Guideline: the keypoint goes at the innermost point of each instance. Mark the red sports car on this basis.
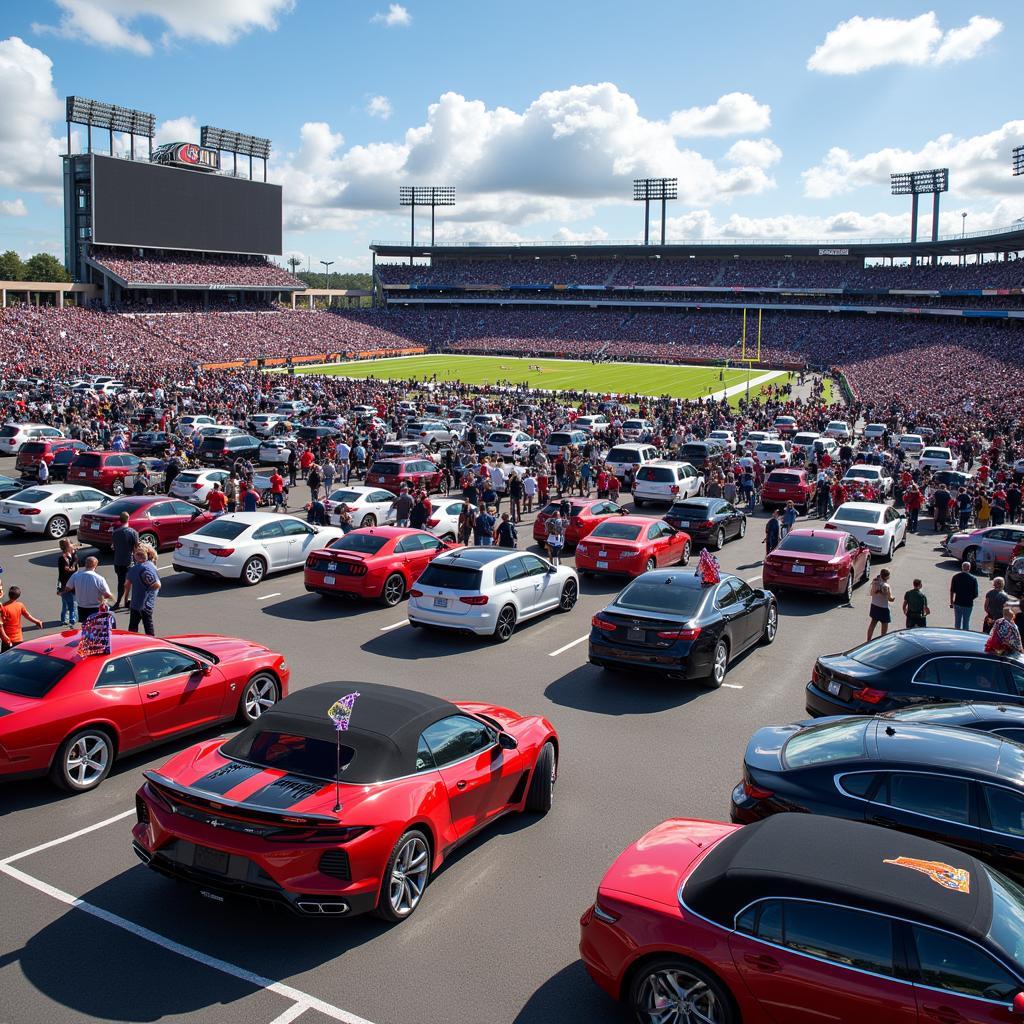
(323, 821)
(71, 716)
(631, 545)
(158, 520)
(380, 562)
(584, 515)
(801, 920)
(784, 485)
(829, 562)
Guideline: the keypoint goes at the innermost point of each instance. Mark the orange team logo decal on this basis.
(945, 875)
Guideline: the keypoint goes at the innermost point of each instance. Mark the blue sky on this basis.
(778, 120)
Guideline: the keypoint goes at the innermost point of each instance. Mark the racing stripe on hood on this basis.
(226, 777)
(285, 792)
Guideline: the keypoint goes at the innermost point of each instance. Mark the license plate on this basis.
(95, 472)
(329, 580)
(834, 688)
(440, 602)
(799, 568)
(603, 554)
(211, 860)
(381, 479)
(194, 552)
(602, 565)
(331, 566)
(635, 633)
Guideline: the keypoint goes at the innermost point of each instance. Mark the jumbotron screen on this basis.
(150, 206)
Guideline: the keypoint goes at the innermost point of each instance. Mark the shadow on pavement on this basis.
(590, 688)
(567, 995)
(308, 607)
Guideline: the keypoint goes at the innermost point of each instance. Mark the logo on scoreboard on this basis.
(195, 156)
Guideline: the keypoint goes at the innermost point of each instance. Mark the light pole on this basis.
(293, 262)
(327, 264)
(963, 235)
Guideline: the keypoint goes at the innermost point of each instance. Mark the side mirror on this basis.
(508, 742)
(207, 670)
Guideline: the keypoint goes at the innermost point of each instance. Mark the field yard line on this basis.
(755, 382)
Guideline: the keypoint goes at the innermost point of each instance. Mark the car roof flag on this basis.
(709, 569)
(340, 713)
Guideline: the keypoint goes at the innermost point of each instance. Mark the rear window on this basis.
(222, 529)
(647, 596)
(32, 495)
(115, 508)
(694, 451)
(681, 510)
(657, 474)
(189, 476)
(31, 675)
(364, 543)
(88, 460)
(856, 515)
(214, 444)
(560, 439)
(835, 742)
(884, 652)
(386, 468)
(809, 545)
(451, 577)
(616, 531)
(862, 474)
(623, 455)
(928, 453)
(38, 447)
(293, 753)
(9, 431)
(783, 478)
(344, 496)
(65, 455)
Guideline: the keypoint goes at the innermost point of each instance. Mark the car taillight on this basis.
(178, 545)
(29, 511)
(357, 570)
(221, 552)
(756, 792)
(705, 525)
(598, 623)
(476, 599)
(876, 533)
(196, 487)
(815, 674)
(831, 526)
(433, 522)
(870, 695)
(674, 489)
(415, 593)
(141, 810)
(679, 634)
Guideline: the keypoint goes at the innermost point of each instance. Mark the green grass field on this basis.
(554, 374)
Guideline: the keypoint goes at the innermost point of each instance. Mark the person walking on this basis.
(42, 471)
(995, 602)
(231, 491)
(142, 586)
(67, 566)
(402, 506)
(12, 611)
(881, 597)
(89, 587)
(913, 501)
(467, 523)
(772, 532)
(314, 478)
(486, 524)
(508, 536)
(555, 537)
(293, 465)
(963, 592)
(789, 516)
(915, 607)
(276, 490)
(123, 541)
(515, 496)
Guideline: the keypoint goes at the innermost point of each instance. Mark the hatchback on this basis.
(158, 520)
(782, 485)
(631, 454)
(113, 472)
(938, 458)
(44, 450)
(390, 474)
(14, 435)
(860, 474)
(665, 480)
(560, 439)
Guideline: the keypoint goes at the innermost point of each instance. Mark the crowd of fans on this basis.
(145, 267)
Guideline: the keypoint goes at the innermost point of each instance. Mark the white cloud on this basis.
(177, 129)
(733, 114)
(978, 166)
(13, 208)
(379, 106)
(859, 44)
(595, 234)
(395, 15)
(108, 23)
(759, 152)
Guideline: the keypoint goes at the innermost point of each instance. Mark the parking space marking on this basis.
(267, 597)
(40, 551)
(751, 579)
(562, 650)
(394, 625)
(733, 686)
(293, 1011)
(161, 568)
(67, 838)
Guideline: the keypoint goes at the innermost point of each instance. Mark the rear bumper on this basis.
(821, 705)
(205, 570)
(681, 664)
(480, 622)
(812, 584)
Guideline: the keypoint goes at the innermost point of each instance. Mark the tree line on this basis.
(42, 267)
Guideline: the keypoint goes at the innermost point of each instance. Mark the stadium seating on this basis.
(190, 269)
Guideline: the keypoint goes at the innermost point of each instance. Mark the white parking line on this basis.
(67, 838)
(562, 650)
(394, 625)
(293, 1011)
(161, 568)
(267, 597)
(733, 686)
(39, 551)
(751, 579)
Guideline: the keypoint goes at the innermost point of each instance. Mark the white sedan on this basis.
(487, 591)
(839, 430)
(246, 546)
(368, 506)
(52, 509)
(861, 473)
(195, 484)
(879, 526)
(911, 444)
(939, 458)
(726, 438)
(444, 518)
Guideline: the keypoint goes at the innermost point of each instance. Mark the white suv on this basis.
(14, 435)
(665, 481)
(487, 591)
(509, 444)
(622, 456)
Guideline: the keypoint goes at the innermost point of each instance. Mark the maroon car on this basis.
(44, 450)
(826, 561)
(159, 520)
(418, 471)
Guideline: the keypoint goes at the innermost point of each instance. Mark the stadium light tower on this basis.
(918, 183)
(293, 262)
(237, 145)
(424, 195)
(647, 189)
(1018, 160)
(94, 114)
(327, 264)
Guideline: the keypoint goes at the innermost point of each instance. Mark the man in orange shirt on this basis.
(12, 611)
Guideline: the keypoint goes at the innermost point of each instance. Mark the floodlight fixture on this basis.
(918, 183)
(237, 144)
(424, 195)
(659, 190)
(94, 114)
(1018, 160)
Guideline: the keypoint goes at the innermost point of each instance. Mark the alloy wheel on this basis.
(260, 695)
(57, 527)
(506, 624)
(743, 528)
(674, 996)
(369, 519)
(253, 571)
(721, 663)
(394, 588)
(569, 595)
(651, 565)
(150, 539)
(849, 587)
(87, 759)
(720, 540)
(409, 876)
(771, 626)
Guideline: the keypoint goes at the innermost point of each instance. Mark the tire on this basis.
(396, 901)
(541, 794)
(368, 520)
(848, 590)
(117, 487)
(700, 491)
(646, 998)
(57, 527)
(892, 551)
(971, 555)
(506, 624)
(651, 565)
(98, 747)
(685, 559)
(258, 696)
(151, 539)
(253, 572)
(393, 590)
(771, 625)
(719, 540)
(719, 666)
(638, 502)
(570, 594)
(867, 570)
(743, 530)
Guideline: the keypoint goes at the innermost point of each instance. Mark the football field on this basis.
(557, 374)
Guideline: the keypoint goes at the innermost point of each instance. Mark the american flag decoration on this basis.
(96, 630)
(340, 712)
(709, 569)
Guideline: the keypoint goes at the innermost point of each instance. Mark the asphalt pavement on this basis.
(89, 934)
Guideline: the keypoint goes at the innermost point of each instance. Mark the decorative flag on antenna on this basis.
(340, 712)
(709, 569)
(96, 631)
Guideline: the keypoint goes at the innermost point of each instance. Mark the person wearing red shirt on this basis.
(305, 461)
(277, 490)
(216, 500)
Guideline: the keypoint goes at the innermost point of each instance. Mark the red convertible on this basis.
(293, 812)
(631, 545)
(378, 562)
(70, 716)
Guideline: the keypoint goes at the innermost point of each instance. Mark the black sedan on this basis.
(708, 521)
(957, 786)
(668, 621)
(9, 485)
(913, 666)
(1006, 720)
(151, 442)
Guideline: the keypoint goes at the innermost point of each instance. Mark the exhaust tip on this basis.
(313, 907)
(144, 855)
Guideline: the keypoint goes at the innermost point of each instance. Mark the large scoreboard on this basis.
(153, 206)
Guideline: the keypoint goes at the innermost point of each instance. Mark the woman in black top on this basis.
(67, 563)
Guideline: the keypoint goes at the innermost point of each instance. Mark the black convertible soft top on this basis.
(383, 731)
(804, 856)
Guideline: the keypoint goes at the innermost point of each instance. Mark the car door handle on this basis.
(461, 784)
(945, 1014)
(767, 964)
(152, 694)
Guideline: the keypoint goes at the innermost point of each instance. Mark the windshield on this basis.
(222, 529)
(844, 514)
(834, 742)
(31, 675)
(616, 531)
(1007, 930)
(364, 543)
(809, 545)
(660, 597)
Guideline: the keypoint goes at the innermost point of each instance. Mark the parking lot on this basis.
(91, 935)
